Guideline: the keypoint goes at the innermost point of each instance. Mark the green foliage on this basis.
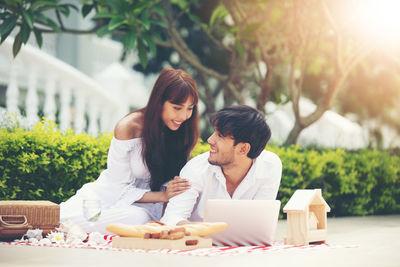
(31, 16)
(44, 163)
(218, 15)
(200, 148)
(136, 22)
(353, 183)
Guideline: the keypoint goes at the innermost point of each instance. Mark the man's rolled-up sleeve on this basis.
(180, 207)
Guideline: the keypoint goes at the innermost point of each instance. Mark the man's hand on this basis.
(175, 187)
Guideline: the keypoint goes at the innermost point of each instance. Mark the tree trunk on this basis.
(294, 134)
(265, 90)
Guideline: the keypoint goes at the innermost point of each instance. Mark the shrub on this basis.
(200, 148)
(44, 163)
(360, 182)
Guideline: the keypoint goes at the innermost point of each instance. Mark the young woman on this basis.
(149, 148)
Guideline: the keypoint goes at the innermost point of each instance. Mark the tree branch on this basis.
(365, 49)
(64, 30)
(326, 103)
(209, 99)
(59, 19)
(240, 10)
(190, 57)
(265, 87)
(177, 43)
(338, 39)
(183, 11)
(337, 85)
(166, 44)
(180, 46)
(328, 15)
(292, 87)
(219, 43)
(228, 6)
(303, 61)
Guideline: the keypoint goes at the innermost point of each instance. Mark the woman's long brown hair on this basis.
(165, 151)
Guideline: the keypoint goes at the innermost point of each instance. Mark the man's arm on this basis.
(180, 207)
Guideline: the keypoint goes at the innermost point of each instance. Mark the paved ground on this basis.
(377, 240)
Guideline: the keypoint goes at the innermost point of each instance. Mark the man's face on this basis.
(222, 151)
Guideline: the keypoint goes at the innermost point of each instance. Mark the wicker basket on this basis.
(44, 215)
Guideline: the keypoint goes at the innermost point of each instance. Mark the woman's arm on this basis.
(153, 197)
(131, 127)
(175, 187)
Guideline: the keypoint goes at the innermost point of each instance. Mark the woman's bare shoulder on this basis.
(129, 127)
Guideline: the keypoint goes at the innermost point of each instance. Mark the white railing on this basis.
(41, 84)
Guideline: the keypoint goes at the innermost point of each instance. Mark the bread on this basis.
(204, 228)
(157, 230)
(140, 231)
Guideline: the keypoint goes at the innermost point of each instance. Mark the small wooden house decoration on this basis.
(306, 217)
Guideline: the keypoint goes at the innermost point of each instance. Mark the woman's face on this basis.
(173, 115)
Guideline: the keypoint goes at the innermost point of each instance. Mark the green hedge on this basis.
(363, 182)
(44, 163)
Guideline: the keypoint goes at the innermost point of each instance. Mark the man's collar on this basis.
(252, 174)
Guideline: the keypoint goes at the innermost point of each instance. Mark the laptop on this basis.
(250, 222)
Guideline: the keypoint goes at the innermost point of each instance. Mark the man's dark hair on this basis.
(245, 124)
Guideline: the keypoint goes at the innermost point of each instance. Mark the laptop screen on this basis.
(250, 222)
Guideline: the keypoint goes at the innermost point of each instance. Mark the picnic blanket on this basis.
(214, 251)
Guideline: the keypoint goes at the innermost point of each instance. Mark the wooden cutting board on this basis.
(187, 242)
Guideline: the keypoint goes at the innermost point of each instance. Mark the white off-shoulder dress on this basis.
(124, 182)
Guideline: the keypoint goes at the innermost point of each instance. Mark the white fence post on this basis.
(105, 115)
(32, 100)
(93, 117)
(34, 73)
(12, 91)
(79, 122)
(65, 110)
(50, 102)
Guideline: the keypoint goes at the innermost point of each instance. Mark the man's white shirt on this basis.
(208, 182)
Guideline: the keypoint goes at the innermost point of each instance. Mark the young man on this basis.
(236, 167)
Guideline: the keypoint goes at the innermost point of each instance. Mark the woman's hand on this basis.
(175, 187)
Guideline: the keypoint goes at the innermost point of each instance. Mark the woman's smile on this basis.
(173, 115)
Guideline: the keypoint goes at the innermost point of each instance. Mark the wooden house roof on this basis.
(303, 198)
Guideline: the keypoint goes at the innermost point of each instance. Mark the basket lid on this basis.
(27, 203)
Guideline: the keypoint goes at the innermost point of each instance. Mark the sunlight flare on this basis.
(375, 20)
